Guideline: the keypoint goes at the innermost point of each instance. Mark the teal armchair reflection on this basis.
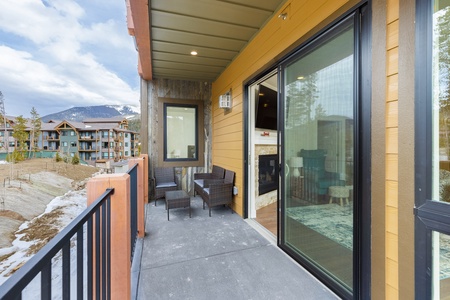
(316, 179)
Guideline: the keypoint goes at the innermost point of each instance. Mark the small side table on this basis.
(177, 199)
(297, 187)
(341, 192)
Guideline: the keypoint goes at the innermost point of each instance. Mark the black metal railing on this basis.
(96, 221)
(133, 206)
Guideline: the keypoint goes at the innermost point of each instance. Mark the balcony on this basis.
(218, 257)
(200, 257)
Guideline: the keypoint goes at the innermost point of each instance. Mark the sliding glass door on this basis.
(318, 150)
(432, 201)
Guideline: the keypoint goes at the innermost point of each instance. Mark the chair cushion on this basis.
(199, 182)
(166, 185)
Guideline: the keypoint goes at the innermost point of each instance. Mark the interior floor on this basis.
(267, 217)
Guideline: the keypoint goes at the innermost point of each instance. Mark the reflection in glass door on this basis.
(432, 230)
(441, 144)
(318, 150)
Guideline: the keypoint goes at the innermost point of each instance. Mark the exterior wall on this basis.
(378, 124)
(391, 151)
(392, 124)
(71, 137)
(176, 89)
(406, 142)
(276, 39)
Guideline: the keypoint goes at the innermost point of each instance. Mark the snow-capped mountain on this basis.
(78, 114)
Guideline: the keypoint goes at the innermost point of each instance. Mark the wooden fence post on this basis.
(120, 229)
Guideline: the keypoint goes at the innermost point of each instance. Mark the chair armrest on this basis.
(220, 193)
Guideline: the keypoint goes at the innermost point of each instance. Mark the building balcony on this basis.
(87, 149)
(199, 257)
(52, 138)
(215, 257)
(88, 138)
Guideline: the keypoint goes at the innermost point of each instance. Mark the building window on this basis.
(72, 133)
(126, 153)
(64, 144)
(73, 144)
(126, 144)
(182, 133)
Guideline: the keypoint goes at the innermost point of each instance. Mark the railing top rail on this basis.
(22, 277)
(132, 168)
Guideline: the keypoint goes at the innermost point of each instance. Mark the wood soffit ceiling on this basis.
(217, 29)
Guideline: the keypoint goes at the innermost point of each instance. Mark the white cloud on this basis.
(56, 52)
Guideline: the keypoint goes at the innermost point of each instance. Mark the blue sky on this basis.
(57, 54)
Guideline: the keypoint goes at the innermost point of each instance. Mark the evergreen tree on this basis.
(20, 135)
(134, 125)
(35, 130)
(302, 95)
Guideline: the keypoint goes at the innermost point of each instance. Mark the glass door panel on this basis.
(318, 151)
(441, 143)
(441, 265)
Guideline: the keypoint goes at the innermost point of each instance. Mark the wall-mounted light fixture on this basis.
(283, 16)
(225, 100)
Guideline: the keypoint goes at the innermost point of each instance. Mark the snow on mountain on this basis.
(78, 114)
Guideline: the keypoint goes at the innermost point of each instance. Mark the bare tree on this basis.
(3, 115)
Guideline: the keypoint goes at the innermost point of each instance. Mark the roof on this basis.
(117, 119)
(216, 30)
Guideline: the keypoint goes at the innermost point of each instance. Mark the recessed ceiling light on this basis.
(193, 52)
(300, 77)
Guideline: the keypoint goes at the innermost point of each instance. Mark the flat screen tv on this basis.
(266, 108)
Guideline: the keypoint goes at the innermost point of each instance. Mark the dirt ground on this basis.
(27, 187)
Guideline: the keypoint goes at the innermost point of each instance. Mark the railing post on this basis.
(120, 229)
(140, 194)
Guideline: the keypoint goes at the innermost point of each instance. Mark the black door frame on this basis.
(362, 158)
(362, 170)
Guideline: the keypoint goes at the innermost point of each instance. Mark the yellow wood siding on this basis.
(391, 235)
(277, 37)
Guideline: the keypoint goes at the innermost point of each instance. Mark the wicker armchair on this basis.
(164, 180)
(218, 191)
(199, 178)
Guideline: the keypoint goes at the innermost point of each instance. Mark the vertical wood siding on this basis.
(176, 89)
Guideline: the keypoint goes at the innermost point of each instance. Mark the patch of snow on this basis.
(72, 204)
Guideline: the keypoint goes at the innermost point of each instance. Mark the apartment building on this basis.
(93, 139)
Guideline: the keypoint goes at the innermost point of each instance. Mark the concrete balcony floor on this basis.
(217, 257)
